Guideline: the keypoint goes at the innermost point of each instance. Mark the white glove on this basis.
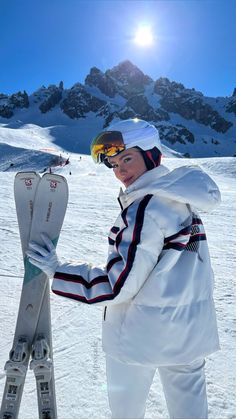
(44, 258)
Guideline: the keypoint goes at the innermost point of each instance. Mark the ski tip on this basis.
(27, 173)
(54, 176)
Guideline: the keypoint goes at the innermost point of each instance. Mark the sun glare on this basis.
(144, 36)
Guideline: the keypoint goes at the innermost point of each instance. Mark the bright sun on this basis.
(144, 36)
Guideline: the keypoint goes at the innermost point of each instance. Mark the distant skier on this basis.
(158, 281)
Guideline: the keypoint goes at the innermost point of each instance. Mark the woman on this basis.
(157, 284)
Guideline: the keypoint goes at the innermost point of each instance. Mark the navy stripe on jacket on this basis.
(136, 236)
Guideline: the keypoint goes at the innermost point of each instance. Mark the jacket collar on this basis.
(136, 189)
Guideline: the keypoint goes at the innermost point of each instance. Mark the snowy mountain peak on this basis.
(191, 123)
(126, 72)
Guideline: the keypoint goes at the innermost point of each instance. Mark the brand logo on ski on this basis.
(31, 205)
(53, 184)
(28, 182)
(49, 211)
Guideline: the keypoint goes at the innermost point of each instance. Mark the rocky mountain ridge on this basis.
(187, 121)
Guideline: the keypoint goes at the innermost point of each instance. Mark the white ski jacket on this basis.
(158, 281)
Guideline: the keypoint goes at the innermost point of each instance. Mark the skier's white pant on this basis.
(184, 388)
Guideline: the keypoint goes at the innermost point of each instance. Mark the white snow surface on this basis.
(78, 356)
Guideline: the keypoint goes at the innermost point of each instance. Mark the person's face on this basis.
(128, 166)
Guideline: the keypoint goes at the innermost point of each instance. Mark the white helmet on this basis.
(137, 132)
(127, 134)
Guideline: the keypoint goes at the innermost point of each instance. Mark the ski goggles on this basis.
(106, 144)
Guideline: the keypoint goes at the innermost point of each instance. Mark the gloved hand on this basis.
(44, 258)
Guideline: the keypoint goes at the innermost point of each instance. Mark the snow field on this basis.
(79, 360)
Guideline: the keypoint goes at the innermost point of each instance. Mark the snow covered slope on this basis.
(30, 148)
(79, 360)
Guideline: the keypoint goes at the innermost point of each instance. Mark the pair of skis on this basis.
(40, 206)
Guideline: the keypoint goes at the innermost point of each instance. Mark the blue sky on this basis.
(46, 41)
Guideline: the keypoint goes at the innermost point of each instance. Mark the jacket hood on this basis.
(186, 184)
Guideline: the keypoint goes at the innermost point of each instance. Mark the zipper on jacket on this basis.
(105, 313)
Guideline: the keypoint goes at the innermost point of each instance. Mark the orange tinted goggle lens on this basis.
(107, 144)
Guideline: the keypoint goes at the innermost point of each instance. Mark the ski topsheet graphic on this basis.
(40, 205)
